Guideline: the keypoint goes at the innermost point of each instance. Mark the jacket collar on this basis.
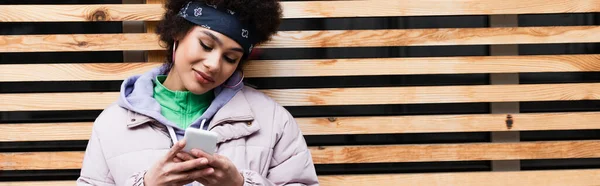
(236, 110)
(134, 119)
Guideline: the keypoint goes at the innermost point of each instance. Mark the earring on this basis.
(238, 83)
(174, 46)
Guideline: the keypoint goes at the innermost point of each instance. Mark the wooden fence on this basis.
(499, 122)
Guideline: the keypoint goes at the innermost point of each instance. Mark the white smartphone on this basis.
(200, 139)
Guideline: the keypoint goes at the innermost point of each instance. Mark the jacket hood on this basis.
(136, 94)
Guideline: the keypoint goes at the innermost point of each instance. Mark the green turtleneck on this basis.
(180, 107)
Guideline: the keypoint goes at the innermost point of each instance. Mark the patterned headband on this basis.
(221, 20)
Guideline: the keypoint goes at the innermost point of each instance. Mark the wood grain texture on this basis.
(336, 96)
(375, 8)
(327, 67)
(586, 177)
(73, 72)
(316, 39)
(589, 177)
(57, 101)
(352, 125)
(435, 94)
(78, 42)
(39, 183)
(422, 65)
(41, 160)
(302, 9)
(80, 13)
(362, 154)
(456, 152)
(441, 37)
(46, 131)
(448, 123)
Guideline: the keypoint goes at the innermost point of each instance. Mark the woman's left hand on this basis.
(224, 171)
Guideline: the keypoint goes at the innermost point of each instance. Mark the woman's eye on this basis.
(206, 47)
(228, 59)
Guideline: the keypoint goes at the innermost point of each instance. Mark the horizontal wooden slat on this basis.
(449, 123)
(303, 9)
(336, 96)
(327, 67)
(316, 39)
(41, 160)
(423, 65)
(436, 94)
(38, 183)
(589, 177)
(73, 72)
(351, 125)
(78, 42)
(529, 178)
(434, 7)
(71, 13)
(362, 154)
(439, 37)
(456, 152)
(57, 101)
(46, 131)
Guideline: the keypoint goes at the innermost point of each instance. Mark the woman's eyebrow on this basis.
(219, 42)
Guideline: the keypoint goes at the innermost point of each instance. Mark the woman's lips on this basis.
(203, 78)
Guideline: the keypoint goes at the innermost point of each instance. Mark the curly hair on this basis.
(264, 15)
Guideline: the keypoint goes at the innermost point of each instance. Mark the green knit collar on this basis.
(184, 102)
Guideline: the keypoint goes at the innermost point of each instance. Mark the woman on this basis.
(138, 140)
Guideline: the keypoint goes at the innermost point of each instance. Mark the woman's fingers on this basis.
(220, 162)
(177, 160)
(185, 156)
(201, 154)
(175, 149)
(190, 164)
(195, 175)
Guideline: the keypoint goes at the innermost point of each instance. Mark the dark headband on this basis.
(221, 20)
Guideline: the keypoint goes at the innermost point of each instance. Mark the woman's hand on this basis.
(170, 171)
(222, 170)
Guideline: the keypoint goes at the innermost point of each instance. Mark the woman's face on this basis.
(204, 59)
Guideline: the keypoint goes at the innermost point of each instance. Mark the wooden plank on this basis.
(584, 177)
(327, 67)
(448, 123)
(41, 160)
(57, 101)
(303, 9)
(336, 96)
(362, 154)
(435, 94)
(422, 65)
(352, 125)
(456, 152)
(433, 7)
(439, 37)
(39, 183)
(73, 72)
(316, 39)
(73, 13)
(78, 42)
(46, 131)
(588, 177)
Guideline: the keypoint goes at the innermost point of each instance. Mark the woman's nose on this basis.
(212, 62)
